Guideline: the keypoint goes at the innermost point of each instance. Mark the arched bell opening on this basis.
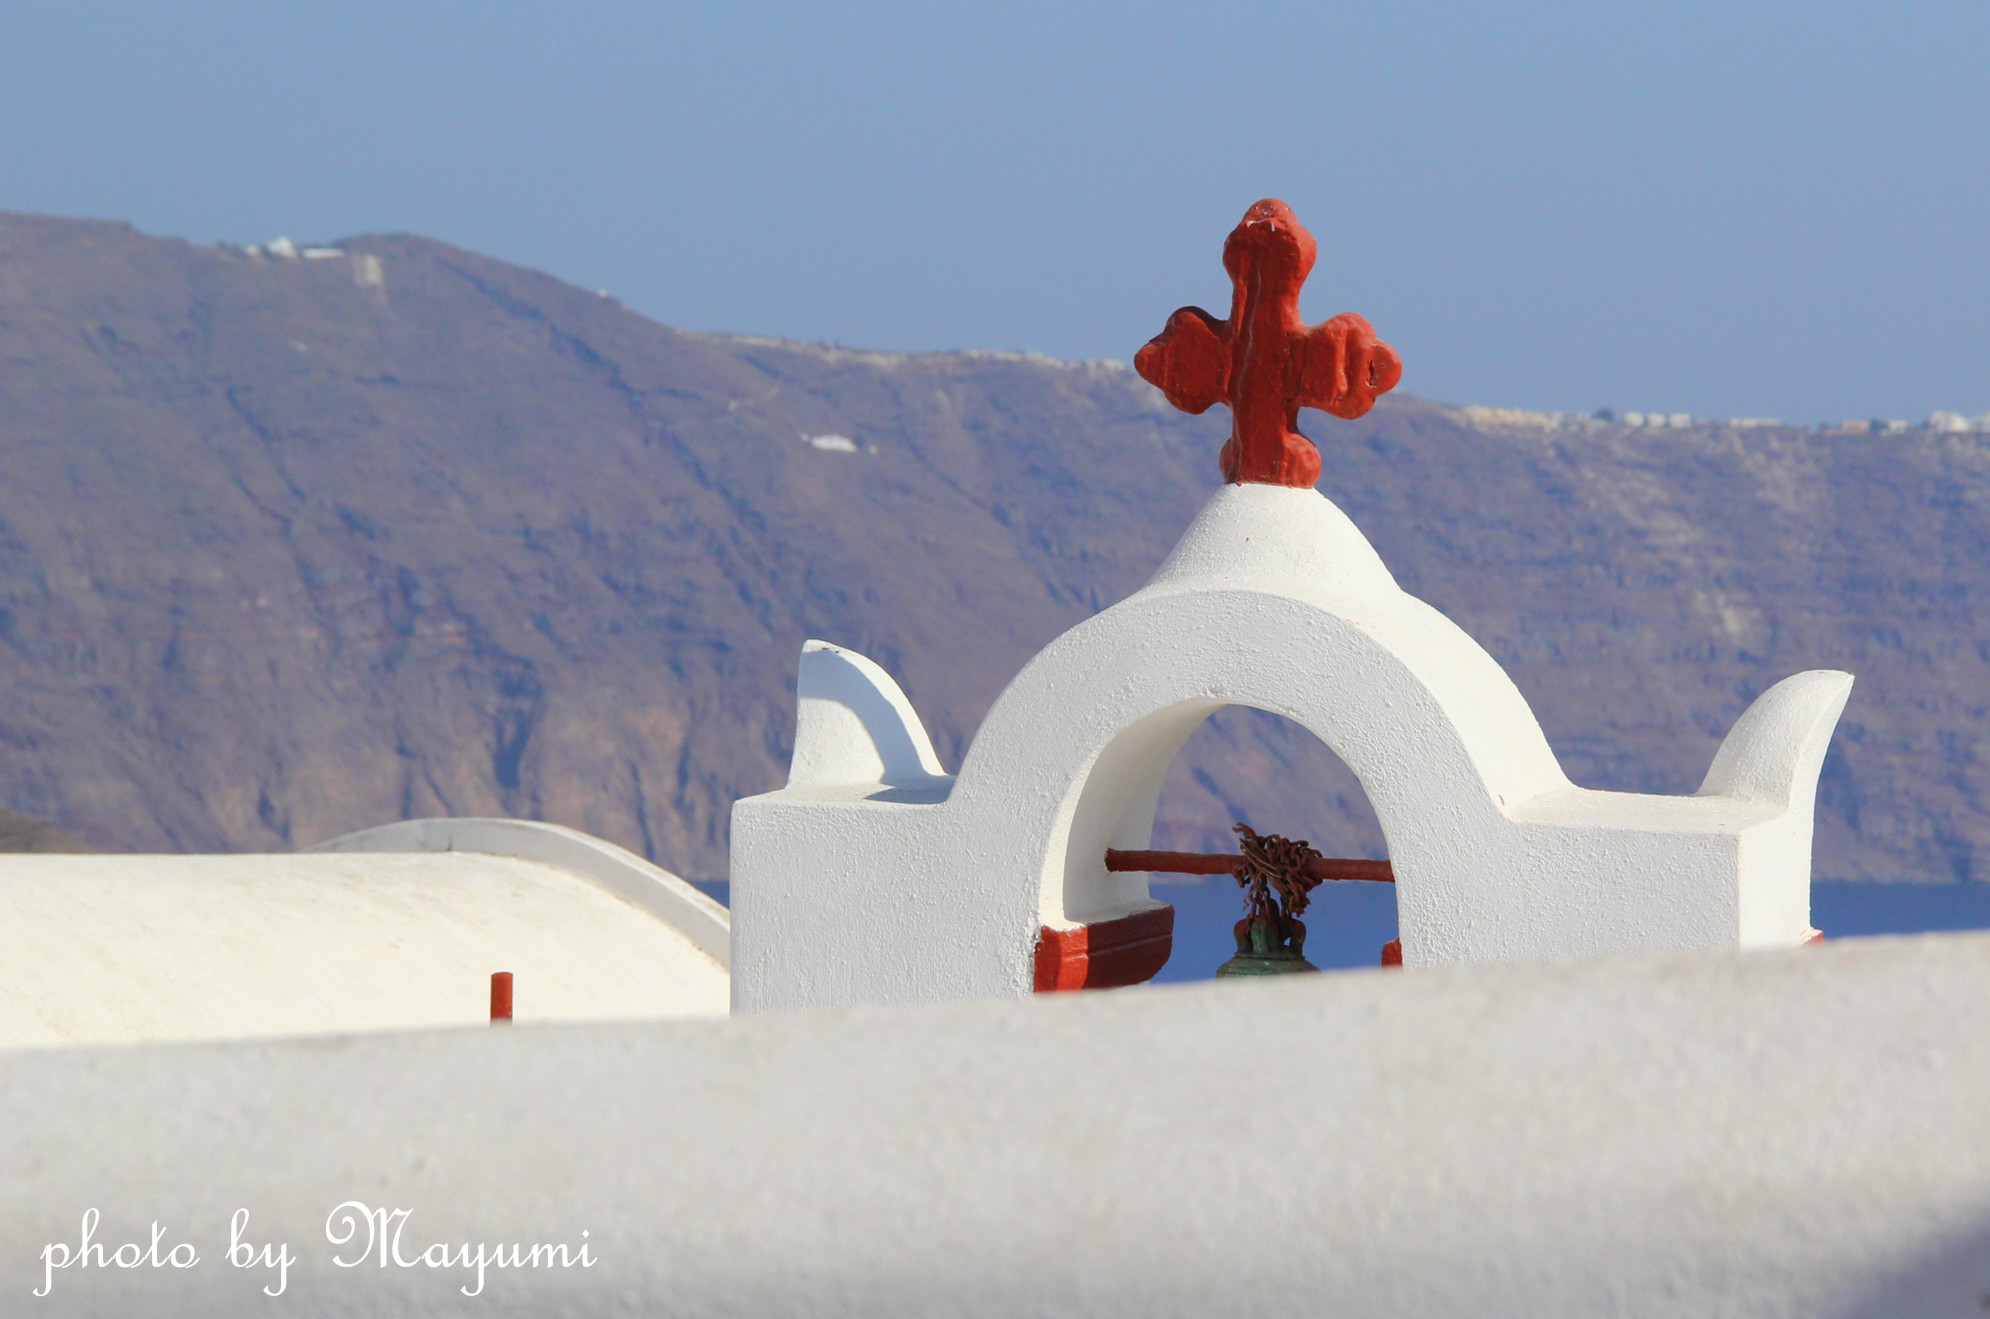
(1107, 918)
(1252, 767)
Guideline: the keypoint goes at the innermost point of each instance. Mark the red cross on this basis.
(1264, 362)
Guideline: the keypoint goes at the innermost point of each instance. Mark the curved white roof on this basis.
(111, 949)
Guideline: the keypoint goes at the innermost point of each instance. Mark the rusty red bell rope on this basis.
(1264, 361)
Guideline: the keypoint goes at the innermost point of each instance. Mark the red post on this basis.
(500, 998)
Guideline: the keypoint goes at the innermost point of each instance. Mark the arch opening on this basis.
(1249, 766)
(1178, 780)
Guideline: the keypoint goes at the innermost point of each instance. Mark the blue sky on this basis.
(1769, 209)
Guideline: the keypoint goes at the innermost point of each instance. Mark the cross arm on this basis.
(1344, 366)
(1189, 361)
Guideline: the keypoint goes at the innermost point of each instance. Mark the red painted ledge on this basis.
(1126, 951)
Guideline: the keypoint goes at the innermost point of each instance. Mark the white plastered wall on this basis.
(848, 888)
(1792, 1134)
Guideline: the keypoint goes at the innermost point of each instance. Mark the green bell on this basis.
(1263, 949)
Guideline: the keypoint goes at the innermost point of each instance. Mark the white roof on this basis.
(112, 949)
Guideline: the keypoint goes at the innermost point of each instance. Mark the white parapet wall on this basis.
(873, 878)
(1783, 1134)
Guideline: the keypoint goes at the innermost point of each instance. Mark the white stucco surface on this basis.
(106, 949)
(853, 725)
(1788, 1134)
(848, 887)
(643, 884)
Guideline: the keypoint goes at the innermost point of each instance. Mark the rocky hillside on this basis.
(289, 547)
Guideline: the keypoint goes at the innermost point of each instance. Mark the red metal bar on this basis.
(500, 997)
(1175, 863)
(1217, 863)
